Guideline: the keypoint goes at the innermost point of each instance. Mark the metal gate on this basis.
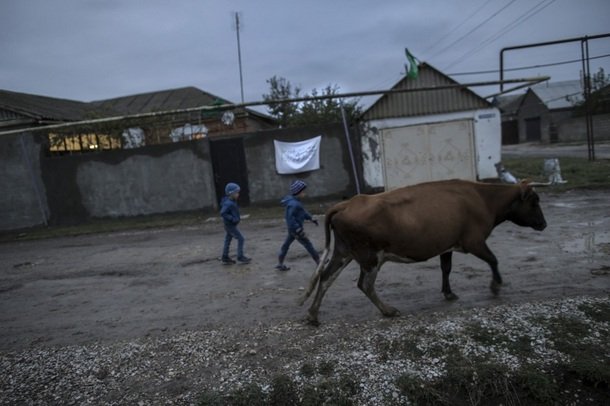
(229, 165)
(427, 152)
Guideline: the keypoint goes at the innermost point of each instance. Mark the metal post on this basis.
(349, 147)
(502, 70)
(586, 72)
(241, 78)
(584, 48)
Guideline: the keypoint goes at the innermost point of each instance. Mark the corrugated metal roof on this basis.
(425, 102)
(559, 95)
(43, 107)
(164, 100)
(172, 99)
(509, 104)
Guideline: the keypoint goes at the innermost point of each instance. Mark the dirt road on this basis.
(158, 282)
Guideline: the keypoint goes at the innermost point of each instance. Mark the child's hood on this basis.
(286, 200)
(225, 201)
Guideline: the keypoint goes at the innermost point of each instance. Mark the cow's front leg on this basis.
(446, 268)
(483, 252)
(366, 283)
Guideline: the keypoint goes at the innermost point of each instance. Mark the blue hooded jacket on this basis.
(229, 211)
(295, 213)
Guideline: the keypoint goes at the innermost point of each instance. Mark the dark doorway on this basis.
(553, 133)
(532, 129)
(229, 165)
(510, 132)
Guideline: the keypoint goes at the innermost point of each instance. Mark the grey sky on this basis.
(97, 49)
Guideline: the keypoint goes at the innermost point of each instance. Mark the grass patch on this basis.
(326, 368)
(600, 312)
(283, 391)
(578, 172)
(568, 334)
(465, 383)
(538, 386)
(404, 347)
(308, 370)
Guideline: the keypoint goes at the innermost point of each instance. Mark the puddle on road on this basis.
(564, 205)
(589, 243)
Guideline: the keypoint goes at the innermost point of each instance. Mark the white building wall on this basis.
(487, 134)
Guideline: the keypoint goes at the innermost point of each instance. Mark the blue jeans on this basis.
(233, 232)
(304, 242)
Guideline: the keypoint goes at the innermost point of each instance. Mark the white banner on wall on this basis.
(296, 157)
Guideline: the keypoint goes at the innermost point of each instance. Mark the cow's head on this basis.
(526, 210)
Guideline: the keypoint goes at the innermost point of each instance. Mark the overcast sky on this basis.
(97, 49)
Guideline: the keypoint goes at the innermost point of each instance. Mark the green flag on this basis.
(411, 69)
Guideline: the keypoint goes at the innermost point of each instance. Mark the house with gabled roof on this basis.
(544, 107)
(21, 110)
(549, 112)
(416, 136)
(211, 123)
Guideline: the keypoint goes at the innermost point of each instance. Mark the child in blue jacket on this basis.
(295, 217)
(229, 211)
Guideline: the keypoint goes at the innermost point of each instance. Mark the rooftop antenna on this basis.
(241, 78)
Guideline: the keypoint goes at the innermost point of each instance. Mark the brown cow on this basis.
(416, 223)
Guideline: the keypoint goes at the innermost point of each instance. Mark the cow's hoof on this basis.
(391, 312)
(495, 287)
(312, 321)
(451, 296)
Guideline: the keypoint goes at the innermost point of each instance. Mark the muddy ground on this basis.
(125, 285)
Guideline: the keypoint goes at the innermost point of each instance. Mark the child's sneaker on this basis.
(244, 260)
(227, 261)
(282, 267)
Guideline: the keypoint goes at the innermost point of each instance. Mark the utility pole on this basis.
(241, 78)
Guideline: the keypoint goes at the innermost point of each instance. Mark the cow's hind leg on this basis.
(327, 277)
(446, 268)
(366, 283)
(483, 252)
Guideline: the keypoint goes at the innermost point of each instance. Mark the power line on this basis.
(441, 39)
(231, 106)
(526, 67)
(520, 20)
(505, 30)
(473, 29)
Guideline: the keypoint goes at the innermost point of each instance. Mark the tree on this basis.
(323, 110)
(599, 80)
(281, 89)
(599, 100)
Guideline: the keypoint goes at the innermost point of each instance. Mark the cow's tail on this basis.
(315, 277)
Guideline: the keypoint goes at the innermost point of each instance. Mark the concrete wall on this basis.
(574, 129)
(155, 179)
(37, 189)
(334, 178)
(566, 126)
(22, 193)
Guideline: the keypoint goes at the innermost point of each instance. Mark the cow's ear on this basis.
(526, 188)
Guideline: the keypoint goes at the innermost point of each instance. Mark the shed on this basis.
(551, 112)
(419, 136)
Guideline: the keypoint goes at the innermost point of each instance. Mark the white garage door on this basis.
(427, 152)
